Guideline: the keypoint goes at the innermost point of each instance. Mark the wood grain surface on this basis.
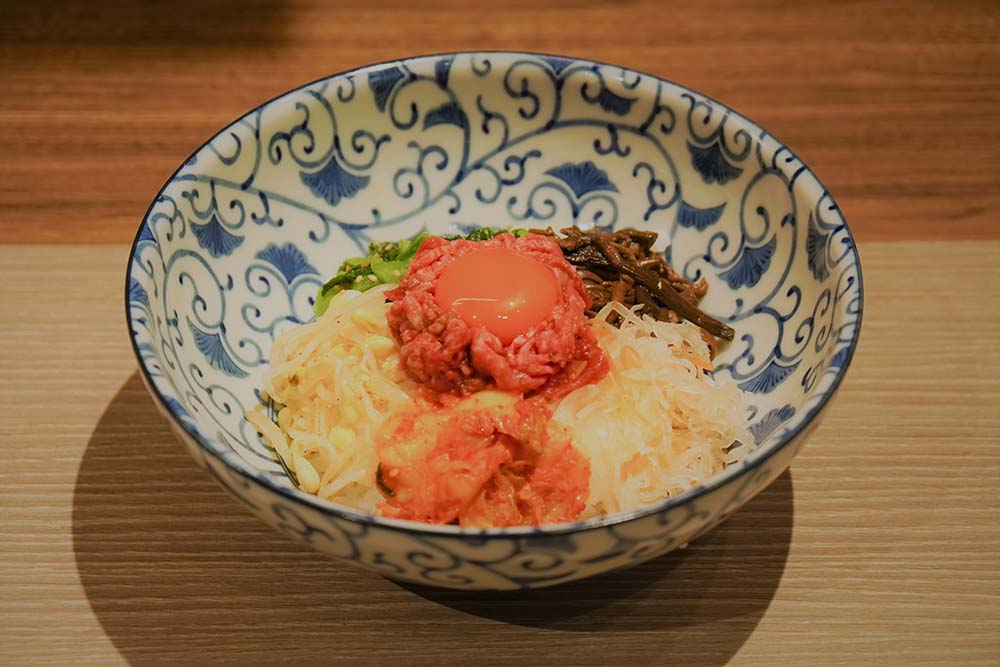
(880, 546)
(894, 106)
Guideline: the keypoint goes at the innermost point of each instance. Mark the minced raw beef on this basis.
(452, 359)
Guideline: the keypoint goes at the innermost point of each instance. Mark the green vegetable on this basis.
(486, 233)
(349, 277)
(389, 272)
(481, 234)
(387, 262)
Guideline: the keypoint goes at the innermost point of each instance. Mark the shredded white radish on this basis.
(658, 423)
(337, 379)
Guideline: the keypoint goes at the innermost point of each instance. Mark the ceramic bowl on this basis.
(235, 245)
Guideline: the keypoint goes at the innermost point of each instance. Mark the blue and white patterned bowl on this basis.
(236, 244)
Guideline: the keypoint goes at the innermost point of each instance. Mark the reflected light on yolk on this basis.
(500, 289)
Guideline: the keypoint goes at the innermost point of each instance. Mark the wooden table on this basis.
(880, 546)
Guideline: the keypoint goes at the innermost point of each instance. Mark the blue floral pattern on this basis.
(233, 249)
(583, 178)
(333, 183)
(214, 238)
(288, 260)
(698, 218)
(751, 264)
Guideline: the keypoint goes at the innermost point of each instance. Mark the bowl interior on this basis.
(235, 246)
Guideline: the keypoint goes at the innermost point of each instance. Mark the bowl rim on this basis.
(518, 532)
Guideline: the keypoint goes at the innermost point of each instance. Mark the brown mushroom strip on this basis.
(619, 291)
(599, 295)
(676, 302)
(587, 256)
(621, 266)
(645, 239)
(645, 299)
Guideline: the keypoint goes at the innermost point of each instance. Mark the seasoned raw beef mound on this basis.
(453, 359)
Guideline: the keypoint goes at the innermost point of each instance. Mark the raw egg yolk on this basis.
(500, 289)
